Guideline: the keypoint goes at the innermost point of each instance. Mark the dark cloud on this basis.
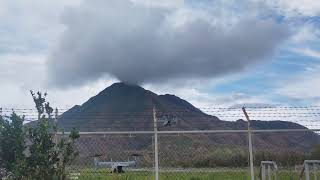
(137, 44)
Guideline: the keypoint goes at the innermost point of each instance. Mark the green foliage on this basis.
(43, 155)
(283, 158)
(12, 145)
(315, 153)
(67, 152)
(30, 153)
(224, 157)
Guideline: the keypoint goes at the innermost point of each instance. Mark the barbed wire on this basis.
(277, 110)
(224, 108)
(170, 110)
(178, 113)
(305, 115)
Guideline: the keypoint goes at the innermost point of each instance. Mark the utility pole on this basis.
(156, 160)
(250, 143)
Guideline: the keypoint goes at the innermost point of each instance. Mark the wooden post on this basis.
(156, 160)
(250, 144)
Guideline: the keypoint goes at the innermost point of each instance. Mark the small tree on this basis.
(67, 153)
(49, 159)
(12, 146)
(31, 153)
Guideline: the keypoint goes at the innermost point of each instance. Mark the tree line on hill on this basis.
(225, 157)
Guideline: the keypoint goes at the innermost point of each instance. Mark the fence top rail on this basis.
(312, 162)
(270, 163)
(305, 166)
(193, 131)
(267, 162)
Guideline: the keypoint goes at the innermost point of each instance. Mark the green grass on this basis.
(218, 175)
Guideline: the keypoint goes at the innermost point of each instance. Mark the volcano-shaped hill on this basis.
(130, 107)
(123, 107)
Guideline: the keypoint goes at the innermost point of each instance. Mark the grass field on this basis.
(224, 175)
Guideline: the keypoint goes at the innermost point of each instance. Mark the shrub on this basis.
(33, 152)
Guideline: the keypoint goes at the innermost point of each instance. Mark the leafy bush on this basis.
(12, 146)
(34, 152)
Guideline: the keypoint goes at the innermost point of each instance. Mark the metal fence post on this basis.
(315, 171)
(269, 172)
(156, 158)
(56, 113)
(307, 171)
(263, 172)
(250, 144)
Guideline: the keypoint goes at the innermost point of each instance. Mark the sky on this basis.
(212, 53)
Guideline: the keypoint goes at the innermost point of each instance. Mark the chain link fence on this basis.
(168, 153)
(195, 155)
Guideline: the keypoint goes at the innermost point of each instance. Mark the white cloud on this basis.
(30, 25)
(21, 73)
(294, 8)
(308, 52)
(162, 3)
(306, 33)
(15, 96)
(22, 69)
(198, 93)
(304, 86)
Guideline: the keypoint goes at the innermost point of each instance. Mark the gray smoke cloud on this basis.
(136, 44)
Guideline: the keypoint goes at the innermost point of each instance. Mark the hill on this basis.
(124, 107)
(129, 107)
